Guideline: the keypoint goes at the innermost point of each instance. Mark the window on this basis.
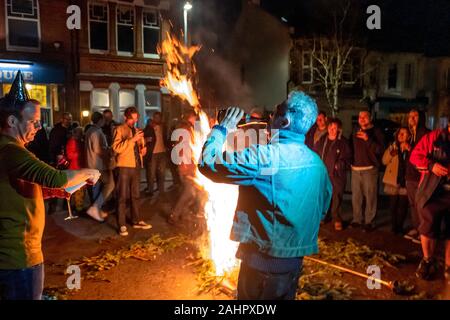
(98, 27)
(152, 99)
(126, 98)
(409, 76)
(392, 76)
(22, 25)
(151, 31)
(348, 73)
(125, 29)
(100, 99)
(307, 67)
(152, 103)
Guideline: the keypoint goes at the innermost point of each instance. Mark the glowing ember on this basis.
(222, 198)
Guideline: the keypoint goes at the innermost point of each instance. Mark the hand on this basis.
(440, 170)
(362, 135)
(394, 152)
(405, 146)
(143, 151)
(138, 136)
(232, 118)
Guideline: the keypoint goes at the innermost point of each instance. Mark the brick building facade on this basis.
(111, 62)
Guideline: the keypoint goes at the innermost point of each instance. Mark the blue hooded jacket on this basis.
(284, 191)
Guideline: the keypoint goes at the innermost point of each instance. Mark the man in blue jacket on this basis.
(284, 193)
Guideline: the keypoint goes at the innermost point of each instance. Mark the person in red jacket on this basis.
(74, 154)
(431, 156)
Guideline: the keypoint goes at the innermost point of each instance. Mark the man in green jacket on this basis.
(22, 212)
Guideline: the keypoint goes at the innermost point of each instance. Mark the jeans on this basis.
(254, 284)
(364, 187)
(411, 188)
(187, 198)
(156, 169)
(398, 206)
(103, 189)
(129, 179)
(22, 284)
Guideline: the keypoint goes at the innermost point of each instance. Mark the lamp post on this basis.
(186, 8)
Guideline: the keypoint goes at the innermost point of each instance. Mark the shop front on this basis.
(44, 83)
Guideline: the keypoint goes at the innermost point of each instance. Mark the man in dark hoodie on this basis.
(58, 138)
(416, 124)
(367, 143)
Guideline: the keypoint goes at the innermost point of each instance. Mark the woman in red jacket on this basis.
(74, 155)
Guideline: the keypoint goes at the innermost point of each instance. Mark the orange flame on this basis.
(222, 198)
(178, 56)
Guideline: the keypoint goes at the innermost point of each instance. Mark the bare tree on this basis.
(332, 53)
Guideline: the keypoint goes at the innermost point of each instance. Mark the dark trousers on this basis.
(22, 284)
(128, 181)
(336, 202)
(187, 198)
(435, 212)
(398, 206)
(411, 189)
(258, 285)
(156, 169)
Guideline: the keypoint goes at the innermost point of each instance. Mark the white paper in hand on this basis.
(75, 188)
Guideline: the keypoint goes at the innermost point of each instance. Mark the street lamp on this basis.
(186, 8)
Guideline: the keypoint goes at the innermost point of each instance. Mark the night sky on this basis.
(407, 25)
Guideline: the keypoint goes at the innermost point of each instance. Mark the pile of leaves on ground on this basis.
(146, 250)
(56, 293)
(317, 282)
(355, 255)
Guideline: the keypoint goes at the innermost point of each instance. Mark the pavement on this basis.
(169, 277)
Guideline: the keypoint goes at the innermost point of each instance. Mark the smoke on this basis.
(220, 77)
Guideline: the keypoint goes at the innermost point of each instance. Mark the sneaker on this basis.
(426, 270)
(94, 213)
(123, 231)
(355, 225)
(142, 225)
(412, 234)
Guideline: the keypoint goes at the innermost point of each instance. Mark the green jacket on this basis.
(22, 212)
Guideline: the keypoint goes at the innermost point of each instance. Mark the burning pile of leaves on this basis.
(209, 282)
(317, 282)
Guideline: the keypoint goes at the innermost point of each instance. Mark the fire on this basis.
(178, 56)
(222, 198)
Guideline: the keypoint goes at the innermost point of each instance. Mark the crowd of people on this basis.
(278, 211)
(415, 156)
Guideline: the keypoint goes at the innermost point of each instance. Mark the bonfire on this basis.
(221, 198)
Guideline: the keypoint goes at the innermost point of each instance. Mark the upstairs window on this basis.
(151, 31)
(307, 67)
(125, 29)
(22, 25)
(392, 76)
(409, 77)
(98, 27)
